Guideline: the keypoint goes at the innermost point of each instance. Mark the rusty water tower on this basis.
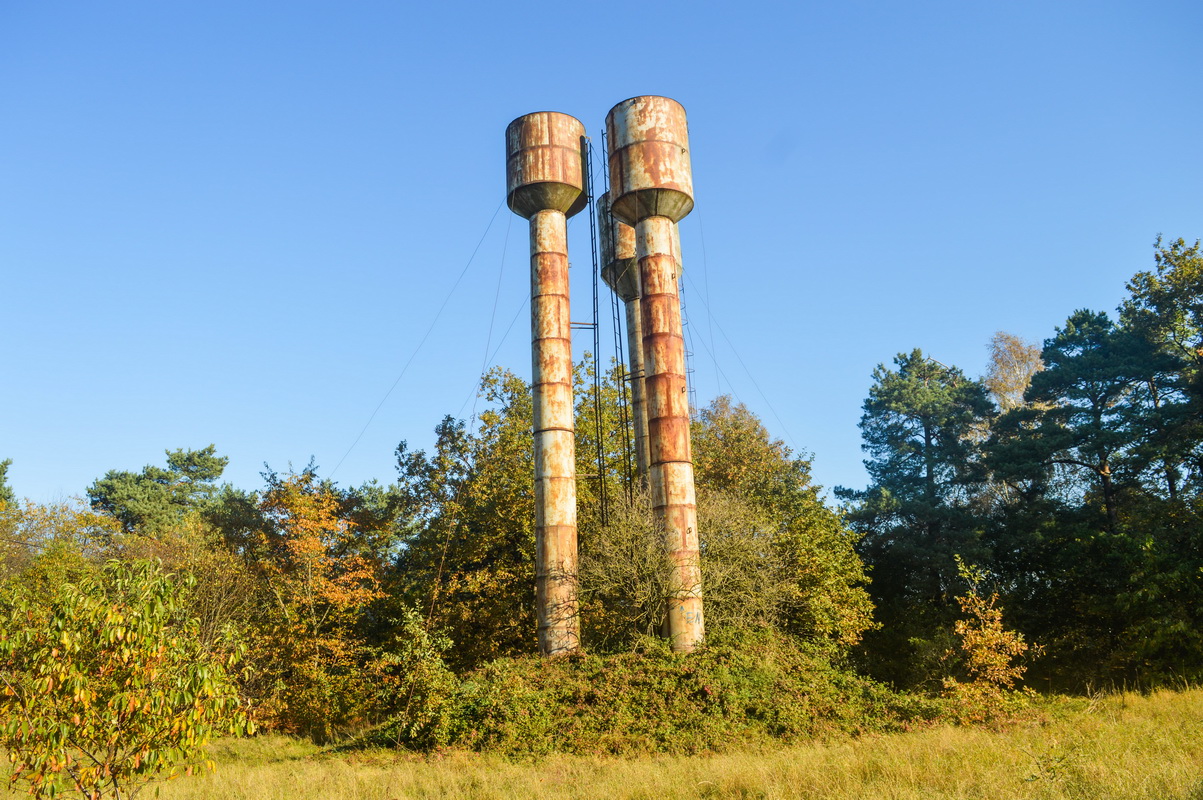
(651, 189)
(545, 183)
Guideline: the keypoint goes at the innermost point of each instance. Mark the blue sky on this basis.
(234, 222)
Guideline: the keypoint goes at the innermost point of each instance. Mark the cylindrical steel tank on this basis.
(649, 159)
(651, 187)
(545, 164)
(545, 184)
(620, 271)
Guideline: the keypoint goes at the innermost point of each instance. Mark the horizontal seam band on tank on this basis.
(622, 147)
(688, 461)
(541, 146)
(555, 428)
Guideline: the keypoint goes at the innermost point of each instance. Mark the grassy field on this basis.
(1119, 746)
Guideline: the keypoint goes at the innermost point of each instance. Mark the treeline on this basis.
(367, 606)
(1071, 473)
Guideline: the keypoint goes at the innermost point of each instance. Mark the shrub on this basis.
(991, 655)
(417, 690)
(752, 689)
(108, 685)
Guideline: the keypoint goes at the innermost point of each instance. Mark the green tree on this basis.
(1165, 310)
(773, 555)
(921, 428)
(468, 561)
(7, 496)
(45, 545)
(1098, 535)
(108, 686)
(224, 594)
(766, 528)
(1079, 420)
(155, 498)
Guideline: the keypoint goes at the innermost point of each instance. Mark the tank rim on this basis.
(657, 96)
(533, 113)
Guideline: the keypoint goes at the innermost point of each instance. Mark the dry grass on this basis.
(1122, 746)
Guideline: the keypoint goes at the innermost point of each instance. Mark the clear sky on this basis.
(233, 222)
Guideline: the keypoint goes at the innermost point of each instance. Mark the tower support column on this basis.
(670, 460)
(555, 441)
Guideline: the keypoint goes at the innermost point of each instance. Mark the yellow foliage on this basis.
(992, 656)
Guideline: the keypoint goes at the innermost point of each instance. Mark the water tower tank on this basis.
(544, 164)
(620, 270)
(649, 159)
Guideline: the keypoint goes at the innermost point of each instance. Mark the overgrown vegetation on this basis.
(1071, 477)
(750, 689)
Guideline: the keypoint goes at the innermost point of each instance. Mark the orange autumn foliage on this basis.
(313, 666)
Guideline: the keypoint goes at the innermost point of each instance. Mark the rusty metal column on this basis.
(652, 188)
(544, 175)
(620, 271)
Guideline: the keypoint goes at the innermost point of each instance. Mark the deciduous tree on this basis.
(312, 663)
(108, 686)
(1013, 362)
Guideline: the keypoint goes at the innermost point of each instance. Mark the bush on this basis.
(990, 653)
(754, 689)
(417, 689)
(108, 685)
